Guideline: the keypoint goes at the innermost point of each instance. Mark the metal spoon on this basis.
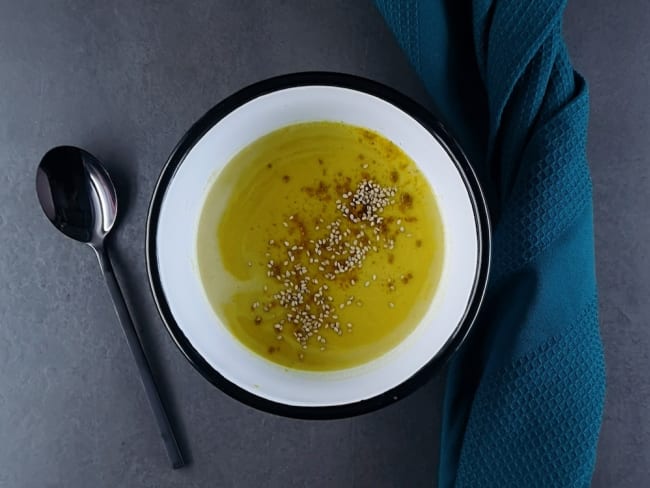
(79, 198)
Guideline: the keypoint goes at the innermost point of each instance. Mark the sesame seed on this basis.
(344, 248)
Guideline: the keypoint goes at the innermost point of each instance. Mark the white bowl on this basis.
(172, 228)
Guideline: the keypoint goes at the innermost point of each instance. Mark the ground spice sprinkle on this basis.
(304, 297)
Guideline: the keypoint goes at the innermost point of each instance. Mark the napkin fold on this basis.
(524, 396)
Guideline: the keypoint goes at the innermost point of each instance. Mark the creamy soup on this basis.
(320, 246)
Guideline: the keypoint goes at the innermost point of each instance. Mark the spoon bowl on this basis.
(77, 194)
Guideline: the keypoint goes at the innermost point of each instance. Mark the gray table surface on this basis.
(125, 79)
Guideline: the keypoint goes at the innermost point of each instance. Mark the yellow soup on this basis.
(320, 246)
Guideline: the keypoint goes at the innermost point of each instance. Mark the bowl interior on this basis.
(175, 247)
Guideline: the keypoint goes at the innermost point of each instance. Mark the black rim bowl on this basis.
(429, 122)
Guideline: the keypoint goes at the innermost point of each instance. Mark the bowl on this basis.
(171, 245)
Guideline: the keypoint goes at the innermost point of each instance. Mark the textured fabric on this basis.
(524, 395)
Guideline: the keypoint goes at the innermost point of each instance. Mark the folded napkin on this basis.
(524, 396)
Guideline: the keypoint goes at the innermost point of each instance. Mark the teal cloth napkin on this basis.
(524, 396)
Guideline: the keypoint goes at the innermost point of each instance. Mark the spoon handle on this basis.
(148, 382)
